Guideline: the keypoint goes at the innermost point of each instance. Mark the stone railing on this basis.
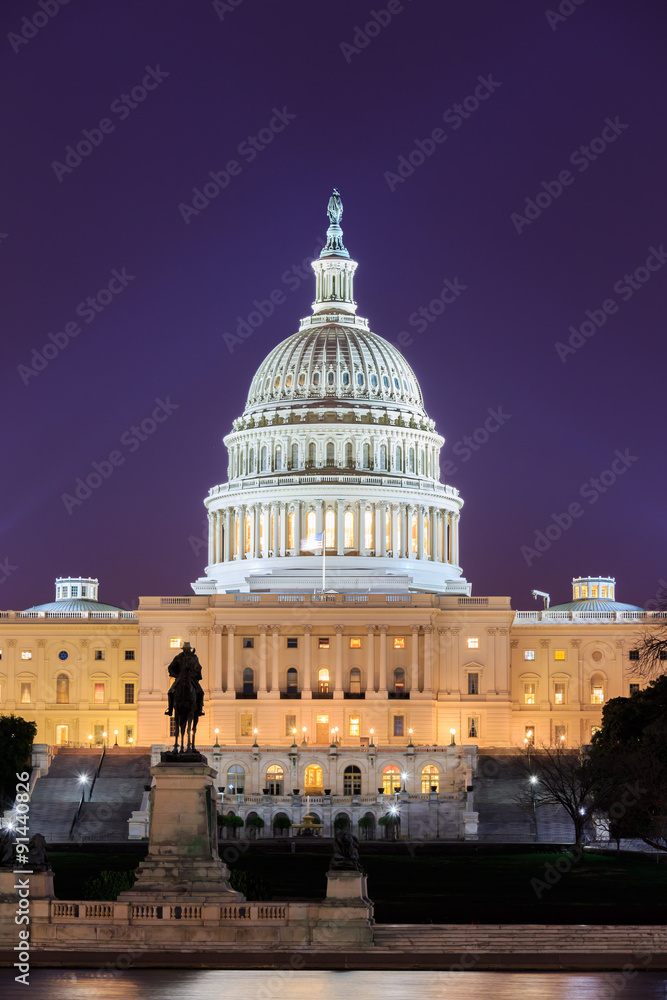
(79, 911)
(548, 617)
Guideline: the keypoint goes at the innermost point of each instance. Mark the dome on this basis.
(76, 596)
(591, 604)
(594, 594)
(74, 607)
(335, 362)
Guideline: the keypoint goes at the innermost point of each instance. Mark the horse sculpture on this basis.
(185, 697)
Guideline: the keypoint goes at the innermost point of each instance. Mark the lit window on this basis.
(324, 642)
(129, 654)
(330, 529)
(473, 727)
(399, 642)
(597, 694)
(559, 654)
(473, 683)
(235, 779)
(275, 777)
(473, 642)
(98, 696)
(129, 734)
(26, 696)
(584, 590)
(290, 531)
(594, 590)
(430, 779)
(246, 725)
(391, 780)
(26, 654)
(413, 535)
(175, 642)
(529, 654)
(603, 591)
(292, 642)
(354, 725)
(559, 736)
(349, 529)
(355, 680)
(288, 382)
(302, 378)
(634, 689)
(611, 593)
(99, 654)
(529, 693)
(559, 694)
(368, 529)
(323, 681)
(129, 694)
(290, 725)
(355, 642)
(399, 721)
(62, 689)
(576, 592)
(311, 523)
(313, 780)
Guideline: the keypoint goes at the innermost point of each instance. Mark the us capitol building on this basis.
(332, 678)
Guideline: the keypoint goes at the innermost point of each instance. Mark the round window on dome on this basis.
(345, 378)
(288, 382)
(276, 384)
(385, 381)
(397, 384)
(331, 378)
(360, 378)
(374, 381)
(316, 378)
(302, 378)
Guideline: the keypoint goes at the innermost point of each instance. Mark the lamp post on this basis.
(90, 741)
(104, 737)
(83, 778)
(452, 735)
(533, 781)
(116, 735)
(304, 742)
(255, 731)
(294, 737)
(528, 742)
(410, 743)
(216, 744)
(371, 744)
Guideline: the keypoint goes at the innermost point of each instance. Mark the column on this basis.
(455, 539)
(319, 518)
(275, 541)
(414, 662)
(229, 675)
(395, 531)
(282, 519)
(433, 535)
(160, 679)
(306, 691)
(228, 535)
(338, 677)
(275, 659)
(428, 659)
(263, 629)
(298, 531)
(382, 509)
(420, 532)
(241, 511)
(219, 536)
(256, 515)
(340, 529)
(211, 536)
(370, 660)
(492, 684)
(216, 667)
(406, 544)
(382, 687)
(362, 527)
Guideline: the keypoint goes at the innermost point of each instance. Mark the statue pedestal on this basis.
(40, 885)
(346, 915)
(349, 886)
(182, 859)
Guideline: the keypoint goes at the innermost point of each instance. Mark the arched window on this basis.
(399, 680)
(397, 384)
(597, 689)
(302, 379)
(295, 456)
(323, 680)
(385, 381)
(316, 378)
(330, 453)
(312, 780)
(411, 465)
(383, 456)
(264, 460)
(366, 456)
(290, 530)
(349, 529)
(311, 523)
(427, 537)
(279, 457)
(355, 680)
(414, 534)
(311, 454)
(248, 680)
(368, 529)
(391, 780)
(251, 461)
(62, 689)
(349, 455)
(331, 378)
(352, 780)
(360, 379)
(248, 534)
(330, 529)
(430, 779)
(235, 779)
(399, 458)
(345, 378)
(275, 778)
(292, 681)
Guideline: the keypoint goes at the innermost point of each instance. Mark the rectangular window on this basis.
(584, 590)
(323, 643)
(529, 654)
(98, 696)
(559, 694)
(129, 654)
(597, 694)
(248, 642)
(603, 591)
(129, 734)
(26, 654)
(529, 693)
(290, 725)
(634, 689)
(322, 734)
(292, 642)
(473, 727)
(473, 683)
(559, 734)
(26, 696)
(355, 642)
(98, 733)
(594, 590)
(246, 725)
(559, 654)
(473, 642)
(633, 654)
(399, 725)
(355, 725)
(175, 642)
(99, 654)
(129, 694)
(576, 592)
(399, 642)
(75, 592)
(529, 739)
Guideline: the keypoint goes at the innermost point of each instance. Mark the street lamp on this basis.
(410, 734)
(371, 744)
(83, 778)
(404, 778)
(294, 737)
(104, 737)
(216, 744)
(130, 739)
(255, 731)
(452, 734)
(116, 735)
(90, 740)
(304, 742)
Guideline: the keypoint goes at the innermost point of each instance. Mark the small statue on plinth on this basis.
(346, 853)
(185, 700)
(37, 859)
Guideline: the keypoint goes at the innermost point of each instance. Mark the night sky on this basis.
(583, 93)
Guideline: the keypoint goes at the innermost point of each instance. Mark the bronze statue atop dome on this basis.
(335, 208)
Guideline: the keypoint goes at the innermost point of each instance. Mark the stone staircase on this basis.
(502, 820)
(519, 938)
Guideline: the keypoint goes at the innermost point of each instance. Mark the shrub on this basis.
(251, 885)
(342, 822)
(107, 885)
(282, 822)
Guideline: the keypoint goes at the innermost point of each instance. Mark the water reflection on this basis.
(154, 984)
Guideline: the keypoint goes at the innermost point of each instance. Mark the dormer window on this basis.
(385, 381)
(345, 378)
(331, 378)
(316, 378)
(397, 384)
(374, 381)
(360, 378)
(302, 379)
(288, 382)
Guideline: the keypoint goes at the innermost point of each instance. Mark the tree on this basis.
(629, 755)
(561, 777)
(16, 739)
(652, 642)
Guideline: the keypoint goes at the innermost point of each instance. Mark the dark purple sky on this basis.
(356, 114)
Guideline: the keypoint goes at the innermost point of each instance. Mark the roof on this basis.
(594, 604)
(73, 606)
